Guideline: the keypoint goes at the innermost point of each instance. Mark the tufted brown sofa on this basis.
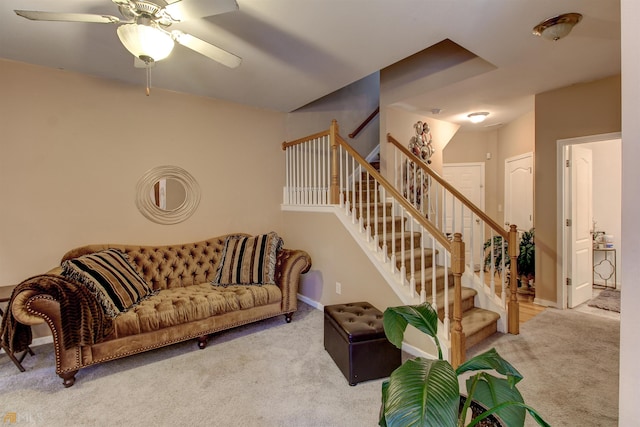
(187, 306)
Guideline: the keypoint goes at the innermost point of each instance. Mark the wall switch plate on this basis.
(338, 288)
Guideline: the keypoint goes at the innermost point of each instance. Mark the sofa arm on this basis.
(291, 263)
(58, 301)
(20, 310)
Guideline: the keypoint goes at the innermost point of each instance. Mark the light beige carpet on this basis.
(277, 374)
(570, 365)
(266, 374)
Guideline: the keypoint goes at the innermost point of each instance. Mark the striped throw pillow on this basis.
(249, 260)
(111, 278)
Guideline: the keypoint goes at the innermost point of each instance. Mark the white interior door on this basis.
(580, 199)
(467, 178)
(518, 191)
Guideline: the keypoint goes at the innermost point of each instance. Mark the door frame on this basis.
(561, 214)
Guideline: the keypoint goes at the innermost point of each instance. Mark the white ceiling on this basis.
(296, 51)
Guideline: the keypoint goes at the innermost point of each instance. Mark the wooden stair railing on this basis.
(364, 123)
(510, 236)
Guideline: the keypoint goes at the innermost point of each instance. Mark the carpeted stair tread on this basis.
(468, 296)
(371, 222)
(409, 239)
(372, 208)
(428, 259)
(479, 324)
(428, 277)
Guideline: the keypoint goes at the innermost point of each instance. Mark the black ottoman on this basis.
(355, 339)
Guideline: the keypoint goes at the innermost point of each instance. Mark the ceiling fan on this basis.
(145, 29)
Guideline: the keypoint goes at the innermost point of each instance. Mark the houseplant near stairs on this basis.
(425, 392)
(525, 261)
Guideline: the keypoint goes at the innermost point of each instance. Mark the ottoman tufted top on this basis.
(356, 321)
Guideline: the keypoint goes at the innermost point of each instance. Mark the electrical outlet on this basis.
(338, 288)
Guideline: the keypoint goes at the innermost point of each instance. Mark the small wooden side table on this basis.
(5, 296)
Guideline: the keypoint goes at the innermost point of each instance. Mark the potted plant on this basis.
(525, 261)
(425, 392)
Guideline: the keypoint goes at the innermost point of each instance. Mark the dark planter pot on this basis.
(477, 408)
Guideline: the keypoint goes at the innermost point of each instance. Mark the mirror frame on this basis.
(154, 213)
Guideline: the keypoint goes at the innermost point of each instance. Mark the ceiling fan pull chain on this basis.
(148, 78)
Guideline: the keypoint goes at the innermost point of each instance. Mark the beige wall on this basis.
(350, 106)
(472, 147)
(580, 110)
(338, 258)
(516, 137)
(399, 123)
(630, 315)
(73, 148)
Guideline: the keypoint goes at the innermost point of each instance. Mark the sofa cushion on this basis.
(111, 279)
(177, 306)
(249, 260)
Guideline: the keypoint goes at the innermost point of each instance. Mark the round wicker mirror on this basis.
(156, 203)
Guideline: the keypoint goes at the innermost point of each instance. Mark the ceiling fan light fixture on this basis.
(145, 41)
(557, 27)
(477, 117)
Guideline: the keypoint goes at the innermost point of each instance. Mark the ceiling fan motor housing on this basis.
(147, 11)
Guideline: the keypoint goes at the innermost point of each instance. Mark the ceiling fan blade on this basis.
(210, 51)
(183, 10)
(35, 15)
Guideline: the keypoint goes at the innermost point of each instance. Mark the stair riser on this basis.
(408, 242)
(467, 304)
(484, 333)
(417, 261)
(371, 184)
(390, 225)
(366, 196)
(428, 281)
(372, 210)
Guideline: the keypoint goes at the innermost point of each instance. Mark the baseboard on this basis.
(312, 303)
(415, 351)
(545, 303)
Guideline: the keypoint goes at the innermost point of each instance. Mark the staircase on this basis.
(416, 246)
(477, 323)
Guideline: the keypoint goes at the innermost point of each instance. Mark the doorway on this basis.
(589, 199)
(468, 178)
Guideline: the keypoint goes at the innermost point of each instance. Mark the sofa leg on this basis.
(287, 317)
(202, 342)
(68, 378)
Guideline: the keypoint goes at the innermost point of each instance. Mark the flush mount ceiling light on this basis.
(557, 27)
(478, 117)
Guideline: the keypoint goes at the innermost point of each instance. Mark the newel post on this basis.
(514, 305)
(458, 344)
(334, 190)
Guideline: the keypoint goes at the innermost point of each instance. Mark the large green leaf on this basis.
(491, 360)
(422, 317)
(492, 391)
(422, 393)
(385, 391)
